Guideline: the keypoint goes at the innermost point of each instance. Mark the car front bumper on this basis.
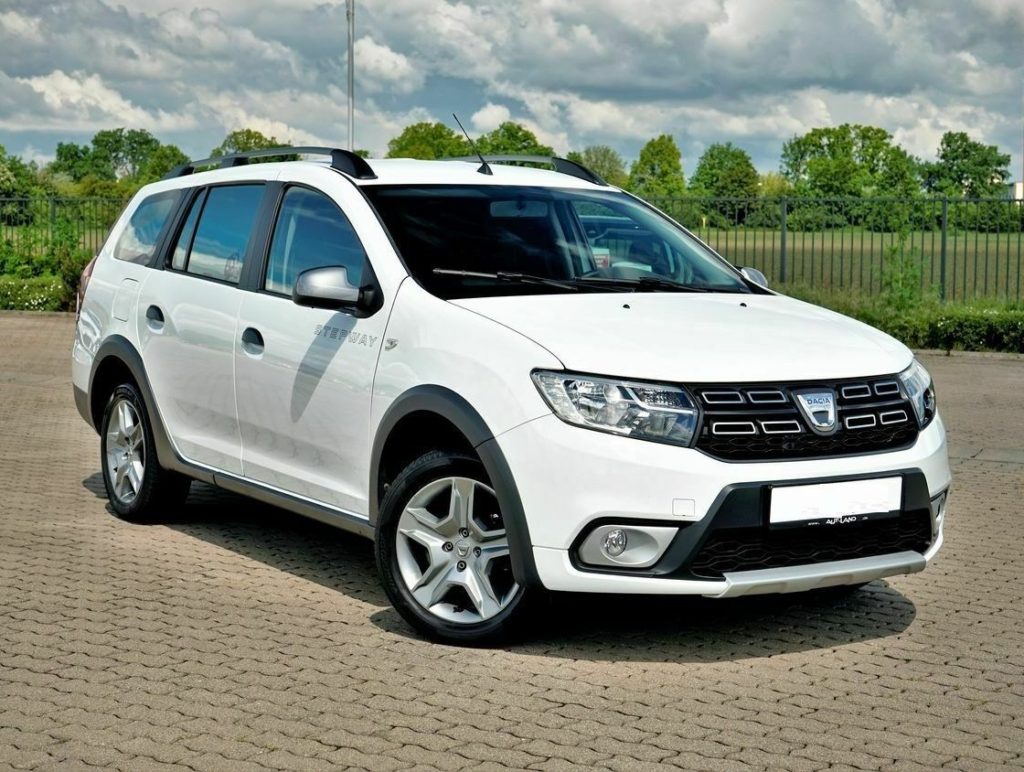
(571, 479)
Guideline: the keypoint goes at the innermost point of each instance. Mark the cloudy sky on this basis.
(578, 72)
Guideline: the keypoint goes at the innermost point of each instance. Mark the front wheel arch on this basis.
(451, 407)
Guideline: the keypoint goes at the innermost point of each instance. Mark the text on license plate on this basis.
(837, 502)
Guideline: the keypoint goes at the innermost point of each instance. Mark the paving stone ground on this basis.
(238, 636)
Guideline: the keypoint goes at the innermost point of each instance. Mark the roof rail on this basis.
(344, 161)
(563, 165)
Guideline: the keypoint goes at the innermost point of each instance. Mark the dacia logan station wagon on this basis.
(513, 379)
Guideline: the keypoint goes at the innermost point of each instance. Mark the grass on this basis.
(978, 265)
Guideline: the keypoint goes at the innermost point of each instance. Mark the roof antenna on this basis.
(484, 168)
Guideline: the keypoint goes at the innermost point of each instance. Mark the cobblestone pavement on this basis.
(241, 637)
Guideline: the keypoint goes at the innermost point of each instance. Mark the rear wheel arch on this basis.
(436, 418)
(117, 361)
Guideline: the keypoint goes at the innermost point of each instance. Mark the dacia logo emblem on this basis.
(819, 408)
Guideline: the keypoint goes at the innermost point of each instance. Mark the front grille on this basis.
(762, 421)
(749, 549)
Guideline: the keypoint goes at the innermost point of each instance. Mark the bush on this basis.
(57, 254)
(929, 324)
(40, 293)
(65, 256)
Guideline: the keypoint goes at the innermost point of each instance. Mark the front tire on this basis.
(443, 553)
(139, 489)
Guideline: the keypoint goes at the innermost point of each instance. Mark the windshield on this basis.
(463, 241)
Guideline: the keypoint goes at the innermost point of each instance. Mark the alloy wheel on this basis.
(126, 451)
(453, 552)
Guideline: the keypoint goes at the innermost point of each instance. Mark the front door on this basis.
(187, 326)
(304, 391)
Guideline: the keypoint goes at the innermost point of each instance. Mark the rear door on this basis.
(188, 317)
(304, 389)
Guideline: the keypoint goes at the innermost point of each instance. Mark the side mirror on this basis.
(327, 287)
(754, 275)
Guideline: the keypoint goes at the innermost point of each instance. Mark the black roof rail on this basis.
(563, 165)
(344, 161)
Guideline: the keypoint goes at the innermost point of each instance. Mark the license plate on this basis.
(836, 503)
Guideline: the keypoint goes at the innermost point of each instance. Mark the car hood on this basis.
(697, 337)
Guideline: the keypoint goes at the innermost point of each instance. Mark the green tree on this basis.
(428, 141)
(161, 161)
(511, 138)
(603, 161)
(658, 172)
(727, 175)
(848, 160)
(7, 180)
(127, 149)
(966, 168)
(18, 180)
(245, 140)
(774, 185)
(725, 171)
(81, 161)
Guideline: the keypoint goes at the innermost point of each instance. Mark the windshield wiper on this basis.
(511, 277)
(643, 283)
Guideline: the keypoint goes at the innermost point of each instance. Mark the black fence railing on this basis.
(958, 249)
(30, 226)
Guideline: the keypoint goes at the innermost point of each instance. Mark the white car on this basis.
(513, 379)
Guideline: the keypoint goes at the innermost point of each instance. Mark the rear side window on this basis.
(138, 241)
(218, 246)
(311, 232)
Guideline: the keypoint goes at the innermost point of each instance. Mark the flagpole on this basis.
(350, 15)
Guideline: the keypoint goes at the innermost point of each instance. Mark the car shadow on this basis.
(587, 627)
(637, 628)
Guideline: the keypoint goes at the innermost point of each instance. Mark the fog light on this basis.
(625, 546)
(614, 543)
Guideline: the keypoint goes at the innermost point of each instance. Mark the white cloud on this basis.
(379, 68)
(15, 24)
(490, 116)
(87, 101)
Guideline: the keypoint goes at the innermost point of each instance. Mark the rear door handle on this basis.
(155, 316)
(252, 341)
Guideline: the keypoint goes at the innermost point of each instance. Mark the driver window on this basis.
(311, 232)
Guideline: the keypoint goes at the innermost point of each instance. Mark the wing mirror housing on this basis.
(330, 288)
(754, 275)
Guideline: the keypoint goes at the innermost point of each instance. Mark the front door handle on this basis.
(252, 341)
(155, 317)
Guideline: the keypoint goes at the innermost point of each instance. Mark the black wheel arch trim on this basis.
(120, 348)
(460, 413)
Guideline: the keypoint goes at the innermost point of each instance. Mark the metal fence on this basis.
(957, 249)
(30, 226)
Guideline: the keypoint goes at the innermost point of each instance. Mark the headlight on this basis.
(918, 385)
(646, 411)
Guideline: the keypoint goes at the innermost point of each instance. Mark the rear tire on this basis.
(139, 489)
(443, 553)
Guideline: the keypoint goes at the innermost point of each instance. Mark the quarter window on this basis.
(311, 232)
(222, 235)
(138, 241)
